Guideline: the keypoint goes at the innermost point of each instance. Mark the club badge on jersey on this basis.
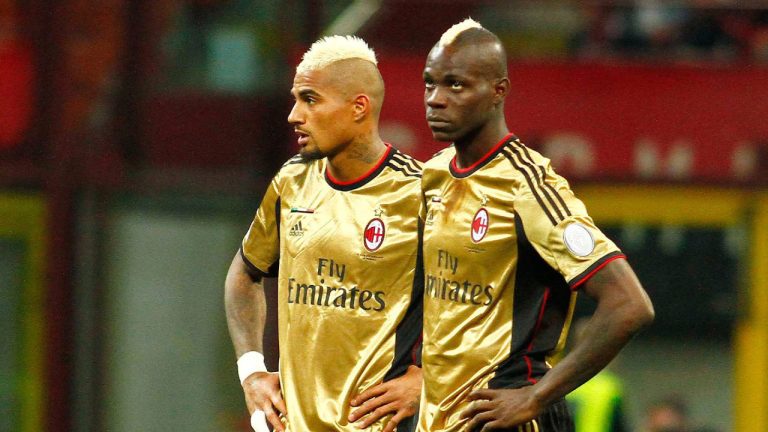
(373, 236)
(480, 225)
(480, 222)
(374, 232)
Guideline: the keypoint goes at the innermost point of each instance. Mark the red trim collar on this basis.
(482, 159)
(362, 177)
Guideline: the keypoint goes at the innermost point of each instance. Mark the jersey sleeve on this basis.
(557, 225)
(261, 246)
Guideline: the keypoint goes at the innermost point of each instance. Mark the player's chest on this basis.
(468, 218)
(339, 224)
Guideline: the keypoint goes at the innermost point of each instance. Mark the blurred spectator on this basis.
(703, 35)
(671, 414)
(667, 415)
(758, 41)
(654, 29)
(642, 28)
(598, 405)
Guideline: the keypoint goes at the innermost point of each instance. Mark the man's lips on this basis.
(437, 122)
(303, 138)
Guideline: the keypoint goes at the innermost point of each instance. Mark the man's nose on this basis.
(295, 117)
(435, 98)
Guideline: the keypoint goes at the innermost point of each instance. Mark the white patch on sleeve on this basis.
(578, 239)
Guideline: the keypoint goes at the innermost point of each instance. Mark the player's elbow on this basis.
(638, 314)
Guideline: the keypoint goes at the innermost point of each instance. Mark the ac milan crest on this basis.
(479, 225)
(373, 236)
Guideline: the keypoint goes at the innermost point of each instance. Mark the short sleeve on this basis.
(261, 245)
(557, 225)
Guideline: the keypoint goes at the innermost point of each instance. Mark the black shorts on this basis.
(556, 418)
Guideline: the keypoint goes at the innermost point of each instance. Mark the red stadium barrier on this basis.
(16, 80)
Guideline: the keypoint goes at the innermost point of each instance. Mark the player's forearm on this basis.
(246, 308)
(623, 310)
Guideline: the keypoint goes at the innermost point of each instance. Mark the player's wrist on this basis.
(249, 364)
(543, 395)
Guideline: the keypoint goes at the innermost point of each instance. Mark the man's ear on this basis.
(361, 106)
(500, 90)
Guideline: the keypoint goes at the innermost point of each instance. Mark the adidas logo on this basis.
(297, 230)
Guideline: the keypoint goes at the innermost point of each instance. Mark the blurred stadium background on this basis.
(136, 138)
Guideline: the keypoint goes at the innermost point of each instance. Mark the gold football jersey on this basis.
(349, 293)
(506, 243)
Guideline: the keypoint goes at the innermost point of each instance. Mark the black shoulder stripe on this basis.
(518, 150)
(406, 161)
(413, 163)
(547, 184)
(405, 165)
(404, 170)
(528, 179)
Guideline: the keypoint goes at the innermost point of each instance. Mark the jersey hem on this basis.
(251, 265)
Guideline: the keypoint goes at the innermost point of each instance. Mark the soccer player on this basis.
(339, 226)
(506, 247)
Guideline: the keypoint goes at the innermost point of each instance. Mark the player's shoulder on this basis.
(441, 159)
(296, 159)
(524, 152)
(407, 166)
(296, 165)
(521, 159)
(528, 167)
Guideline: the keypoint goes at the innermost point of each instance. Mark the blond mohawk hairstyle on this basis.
(334, 48)
(457, 29)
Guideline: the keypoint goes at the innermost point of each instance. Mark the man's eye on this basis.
(457, 85)
(429, 85)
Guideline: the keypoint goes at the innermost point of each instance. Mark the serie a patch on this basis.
(578, 239)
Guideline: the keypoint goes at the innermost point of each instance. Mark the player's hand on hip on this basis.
(500, 409)
(399, 397)
(262, 393)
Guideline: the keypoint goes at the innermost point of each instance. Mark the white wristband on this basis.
(250, 363)
(259, 421)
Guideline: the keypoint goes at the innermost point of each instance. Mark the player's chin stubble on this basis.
(311, 154)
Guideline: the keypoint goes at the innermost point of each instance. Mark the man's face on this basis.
(321, 115)
(665, 419)
(458, 93)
